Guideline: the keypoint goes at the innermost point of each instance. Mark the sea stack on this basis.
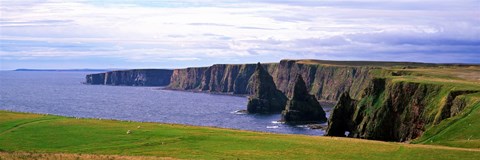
(302, 107)
(266, 97)
(341, 117)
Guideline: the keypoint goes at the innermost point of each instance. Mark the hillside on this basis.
(400, 104)
(54, 136)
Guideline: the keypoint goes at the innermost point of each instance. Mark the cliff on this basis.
(136, 77)
(392, 109)
(340, 120)
(325, 81)
(220, 78)
(302, 107)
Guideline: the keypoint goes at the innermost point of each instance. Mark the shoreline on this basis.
(167, 123)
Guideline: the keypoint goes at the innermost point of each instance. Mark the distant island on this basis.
(65, 70)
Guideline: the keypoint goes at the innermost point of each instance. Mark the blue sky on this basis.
(177, 34)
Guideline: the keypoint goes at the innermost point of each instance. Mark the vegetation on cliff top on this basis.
(21, 132)
(458, 131)
(402, 103)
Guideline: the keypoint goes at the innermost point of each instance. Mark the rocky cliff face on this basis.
(324, 81)
(393, 110)
(98, 78)
(302, 107)
(137, 77)
(266, 98)
(221, 78)
(341, 117)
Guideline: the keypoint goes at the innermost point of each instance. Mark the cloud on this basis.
(209, 24)
(6, 23)
(380, 4)
(241, 31)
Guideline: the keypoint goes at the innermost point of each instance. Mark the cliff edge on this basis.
(135, 77)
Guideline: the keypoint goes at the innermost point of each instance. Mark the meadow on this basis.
(36, 136)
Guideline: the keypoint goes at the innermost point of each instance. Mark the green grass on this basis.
(459, 131)
(462, 130)
(462, 78)
(23, 132)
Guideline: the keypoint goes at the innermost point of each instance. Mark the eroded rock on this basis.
(341, 117)
(266, 98)
(302, 107)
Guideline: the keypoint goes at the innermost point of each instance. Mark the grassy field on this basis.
(52, 137)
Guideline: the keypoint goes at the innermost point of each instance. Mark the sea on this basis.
(63, 93)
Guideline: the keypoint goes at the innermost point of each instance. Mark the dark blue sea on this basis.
(62, 93)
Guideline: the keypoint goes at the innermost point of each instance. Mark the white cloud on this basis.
(176, 30)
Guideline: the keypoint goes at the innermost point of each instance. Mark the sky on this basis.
(65, 34)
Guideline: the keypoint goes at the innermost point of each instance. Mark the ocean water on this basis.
(62, 93)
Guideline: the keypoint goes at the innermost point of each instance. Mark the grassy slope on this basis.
(459, 131)
(54, 134)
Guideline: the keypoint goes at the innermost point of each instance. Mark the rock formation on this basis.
(341, 117)
(325, 81)
(134, 77)
(395, 110)
(219, 78)
(302, 107)
(266, 98)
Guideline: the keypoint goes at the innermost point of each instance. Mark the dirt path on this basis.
(444, 147)
(72, 156)
(25, 124)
